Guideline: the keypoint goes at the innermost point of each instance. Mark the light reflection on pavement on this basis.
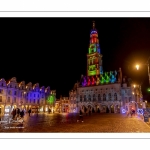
(96, 123)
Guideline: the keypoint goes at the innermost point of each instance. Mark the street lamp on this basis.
(147, 64)
(137, 67)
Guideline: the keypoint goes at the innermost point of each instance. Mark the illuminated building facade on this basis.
(64, 105)
(19, 95)
(99, 91)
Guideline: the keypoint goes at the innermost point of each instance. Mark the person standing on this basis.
(13, 113)
(80, 116)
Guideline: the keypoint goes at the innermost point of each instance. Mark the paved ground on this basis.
(115, 123)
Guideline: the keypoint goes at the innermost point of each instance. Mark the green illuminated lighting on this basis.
(92, 73)
(51, 99)
(102, 80)
(148, 89)
(92, 70)
(92, 48)
(107, 78)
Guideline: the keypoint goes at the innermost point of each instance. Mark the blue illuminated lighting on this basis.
(93, 32)
(140, 111)
(123, 111)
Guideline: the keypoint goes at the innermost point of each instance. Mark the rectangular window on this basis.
(8, 100)
(14, 99)
(1, 91)
(9, 92)
(15, 93)
(0, 98)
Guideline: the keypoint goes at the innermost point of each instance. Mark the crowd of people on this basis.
(17, 113)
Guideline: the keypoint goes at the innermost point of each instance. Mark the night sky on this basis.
(52, 51)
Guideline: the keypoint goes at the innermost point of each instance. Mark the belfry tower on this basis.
(94, 57)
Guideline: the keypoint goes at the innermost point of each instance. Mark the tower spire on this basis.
(93, 24)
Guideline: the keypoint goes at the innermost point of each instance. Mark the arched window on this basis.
(80, 98)
(89, 97)
(85, 98)
(94, 98)
(104, 97)
(109, 96)
(99, 98)
(115, 97)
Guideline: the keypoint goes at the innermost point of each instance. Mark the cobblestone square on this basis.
(65, 123)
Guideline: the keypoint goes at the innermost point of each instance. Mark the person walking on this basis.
(22, 114)
(80, 116)
(18, 112)
(13, 113)
(29, 111)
